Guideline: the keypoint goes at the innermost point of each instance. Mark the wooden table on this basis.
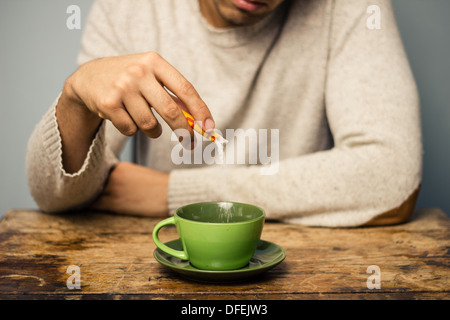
(115, 258)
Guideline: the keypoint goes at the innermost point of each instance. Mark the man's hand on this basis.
(135, 190)
(122, 89)
(125, 90)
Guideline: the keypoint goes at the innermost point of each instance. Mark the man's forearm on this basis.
(77, 126)
(53, 188)
(343, 186)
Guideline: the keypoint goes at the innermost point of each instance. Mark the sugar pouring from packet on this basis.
(211, 135)
(225, 212)
(220, 142)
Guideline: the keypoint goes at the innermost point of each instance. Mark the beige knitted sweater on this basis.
(340, 94)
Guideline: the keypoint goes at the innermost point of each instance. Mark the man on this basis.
(341, 95)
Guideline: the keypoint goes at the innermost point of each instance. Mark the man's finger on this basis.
(123, 121)
(141, 113)
(167, 108)
(183, 89)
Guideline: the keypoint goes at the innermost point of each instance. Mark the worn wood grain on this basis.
(115, 256)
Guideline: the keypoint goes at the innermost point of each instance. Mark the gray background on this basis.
(38, 52)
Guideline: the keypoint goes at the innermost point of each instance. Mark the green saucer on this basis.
(267, 256)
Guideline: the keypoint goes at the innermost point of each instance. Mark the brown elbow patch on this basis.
(397, 215)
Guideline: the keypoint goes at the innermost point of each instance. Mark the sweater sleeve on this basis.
(372, 174)
(52, 188)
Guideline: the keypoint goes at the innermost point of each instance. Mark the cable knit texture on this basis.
(342, 96)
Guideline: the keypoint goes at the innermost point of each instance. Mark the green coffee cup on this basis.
(215, 235)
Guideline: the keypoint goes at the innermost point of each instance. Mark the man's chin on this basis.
(242, 18)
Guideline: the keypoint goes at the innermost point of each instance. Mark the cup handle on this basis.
(176, 253)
